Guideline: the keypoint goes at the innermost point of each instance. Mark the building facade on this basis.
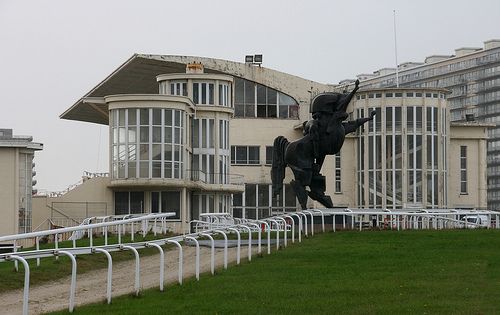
(409, 155)
(16, 183)
(473, 77)
(177, 140)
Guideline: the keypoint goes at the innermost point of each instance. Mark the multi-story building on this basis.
(16, 181)
(176, 138)
(473, 77)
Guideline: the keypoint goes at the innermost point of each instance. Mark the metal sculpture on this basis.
(323, 135)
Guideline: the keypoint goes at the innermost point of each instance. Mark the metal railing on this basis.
(215, 178)
(223, 224)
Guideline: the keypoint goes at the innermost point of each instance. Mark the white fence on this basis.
(223, 224)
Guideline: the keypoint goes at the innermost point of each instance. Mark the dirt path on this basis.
(91, 286)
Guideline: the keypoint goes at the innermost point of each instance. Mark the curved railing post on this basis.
(73, 278)
(197, 258)
(259, 236)
(212, 252)
(37, 241)
(268, 235)
(284, 229)
(162, 261)
(110, 271)
(277, 232)
(312, 220)
(225, 246)
(292, 227)
(249, 241)
(300, 224)
(26, 290)
(179, 246)
(304, 225)
(238, 244)
(137, 285)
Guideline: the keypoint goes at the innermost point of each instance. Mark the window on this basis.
(256, 100)
(338, 182)
(224, 94)
(256, 202)
(147, 143)
(178, 88)
(203, 93)
(166, 201)
(245, 155)
(127, 202)
(269, 155)
(463, 169)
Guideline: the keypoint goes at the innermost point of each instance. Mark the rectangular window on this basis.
(463, 169)
(245, 155)
(269, 155)
(338, 178)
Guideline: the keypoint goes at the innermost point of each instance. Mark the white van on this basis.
(477, 221)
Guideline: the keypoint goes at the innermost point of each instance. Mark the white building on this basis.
(169, 147)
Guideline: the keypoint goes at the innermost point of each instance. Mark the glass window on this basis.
(256, 100)
(245, 155)
(269, 155)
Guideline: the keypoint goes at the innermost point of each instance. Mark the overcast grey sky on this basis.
(53, 52)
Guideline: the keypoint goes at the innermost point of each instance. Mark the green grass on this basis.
(421, 272)
(51, 269)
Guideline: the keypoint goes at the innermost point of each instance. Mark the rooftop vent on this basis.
(410, 64)
(384, 71)
(436, 58)
(492, 43)
(365, 76)
(465, 50)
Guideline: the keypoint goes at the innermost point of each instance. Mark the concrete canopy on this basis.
(136, 76)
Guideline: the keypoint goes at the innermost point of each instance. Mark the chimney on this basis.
(194, 67)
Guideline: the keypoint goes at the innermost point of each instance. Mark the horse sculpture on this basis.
(323, 135)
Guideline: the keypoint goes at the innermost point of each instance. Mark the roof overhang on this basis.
(136, 76)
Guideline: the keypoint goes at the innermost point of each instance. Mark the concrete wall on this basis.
(9, 203)
(474, 138)
(92, 190)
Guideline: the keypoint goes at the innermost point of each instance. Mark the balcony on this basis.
(192, 180)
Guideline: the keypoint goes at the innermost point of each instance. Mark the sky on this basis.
(54, 52)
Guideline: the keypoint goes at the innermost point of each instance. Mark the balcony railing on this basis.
(215, 178)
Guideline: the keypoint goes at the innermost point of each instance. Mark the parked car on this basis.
(476, 221)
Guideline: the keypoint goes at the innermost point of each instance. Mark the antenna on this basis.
(396, 49)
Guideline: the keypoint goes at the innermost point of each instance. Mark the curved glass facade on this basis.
(256, 100)
(402, 153)
(147, 143)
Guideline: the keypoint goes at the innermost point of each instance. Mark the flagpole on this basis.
(396, 49)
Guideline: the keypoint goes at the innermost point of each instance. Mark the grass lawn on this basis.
(51, 269)
(379, 272)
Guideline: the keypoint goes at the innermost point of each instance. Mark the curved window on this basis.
(203, 93)
(147, 143)
(402, 154)
(256, 100)
(207, 166)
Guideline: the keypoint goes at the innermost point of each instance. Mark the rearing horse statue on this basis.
(323, 135)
